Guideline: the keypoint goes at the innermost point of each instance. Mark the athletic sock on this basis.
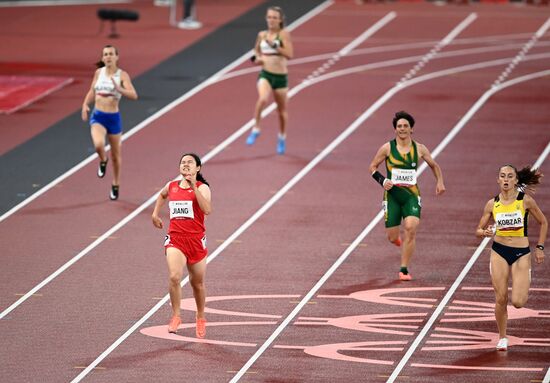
(404, 270)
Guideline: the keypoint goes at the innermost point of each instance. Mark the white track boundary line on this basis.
(147, 203)
(451, 290)
(495, 87)
(374, 107)
(211, 80)
(233, 236)
(547, 376)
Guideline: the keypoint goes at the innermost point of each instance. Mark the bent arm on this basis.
(204, 196)
(126, 87)
(483, 230)
(155, 216)
(286, 49)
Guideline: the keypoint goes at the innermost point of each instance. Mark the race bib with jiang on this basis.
(181, 209)
(509, 221)
(403, 177)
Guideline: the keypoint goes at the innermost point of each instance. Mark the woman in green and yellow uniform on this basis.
(510, 251)
(272, 50)
(401, 193)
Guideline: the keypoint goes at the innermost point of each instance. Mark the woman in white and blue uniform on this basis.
(272, 50)
(110, 83)
(510, 252)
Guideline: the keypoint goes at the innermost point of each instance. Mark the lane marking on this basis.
(461, 276)
(302, 173)
(211, 80)
(381, 101)
(152, 199)
(238, 133)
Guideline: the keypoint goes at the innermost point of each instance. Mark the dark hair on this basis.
(100, 63)
(281, 15)
(199, 163)
(527, 177)
(402, 114)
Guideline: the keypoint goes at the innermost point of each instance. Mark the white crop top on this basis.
(104, 86)
(267, 49)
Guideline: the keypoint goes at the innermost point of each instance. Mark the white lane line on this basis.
(446, 41)
(152, 199)
(220, 248)
(354, 44)
(547, 376)
(521, 55)
(349, 130)
(247, 126)
(439, 309)
(211, 80)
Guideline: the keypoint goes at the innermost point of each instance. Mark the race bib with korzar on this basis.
(509, 221)
(403, 177)
(181, 209)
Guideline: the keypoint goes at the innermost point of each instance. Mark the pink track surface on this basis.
(362, 321)
(16, 92)
(66, 42)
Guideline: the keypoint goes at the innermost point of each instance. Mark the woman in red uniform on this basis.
(510, 253)
(189, 201)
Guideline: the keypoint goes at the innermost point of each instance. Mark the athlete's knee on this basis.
(175, 278)
(197, 283)
(262, 101)
(410, 232)
(519, 302)
(501, 299)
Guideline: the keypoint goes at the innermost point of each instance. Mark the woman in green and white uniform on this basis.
(401, 193)
(272, 50)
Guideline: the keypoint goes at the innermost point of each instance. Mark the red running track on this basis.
(361, 322)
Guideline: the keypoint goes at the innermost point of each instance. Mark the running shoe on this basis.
(252, 137)
(502, 344)
(101, 169)
(404, 277)
(397, 242)
(201, 328)
(173, 325)
(281, 145)
(114, 192)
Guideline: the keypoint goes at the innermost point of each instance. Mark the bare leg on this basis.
(116, 155)
(281, 100)
(264, 89)
(499, 276)
(197, 272)
(392, 233)
(409, 243)
(98, 133)
(176, 261)
(521, 281)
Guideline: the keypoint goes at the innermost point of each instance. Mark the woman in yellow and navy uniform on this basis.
(510, 252)
(401, 193)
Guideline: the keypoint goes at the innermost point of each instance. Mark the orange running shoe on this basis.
(404, 277)
(173, 325)
(201, 328)
(397, 242)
